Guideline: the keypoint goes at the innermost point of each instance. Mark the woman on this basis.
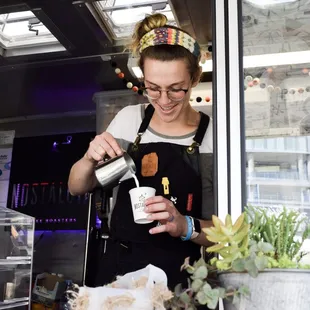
(175, 141)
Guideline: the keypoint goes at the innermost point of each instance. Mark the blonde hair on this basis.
(147, 24)
(162, 52)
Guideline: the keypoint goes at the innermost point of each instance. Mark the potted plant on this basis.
(258, 264)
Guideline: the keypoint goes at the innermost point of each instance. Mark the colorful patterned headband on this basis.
(169, 36)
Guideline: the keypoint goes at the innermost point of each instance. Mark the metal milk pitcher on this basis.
(115, 170)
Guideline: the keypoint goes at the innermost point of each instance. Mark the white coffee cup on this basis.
(138, 195)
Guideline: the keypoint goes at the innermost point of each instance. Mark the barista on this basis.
(171, 145)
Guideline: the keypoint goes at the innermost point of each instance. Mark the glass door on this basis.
(276, 72)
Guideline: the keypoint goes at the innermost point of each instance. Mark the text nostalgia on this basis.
(44, 193)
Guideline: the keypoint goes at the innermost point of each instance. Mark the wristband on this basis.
(189, 229)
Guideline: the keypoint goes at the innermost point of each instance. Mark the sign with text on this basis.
(39, 177)
(51, 204)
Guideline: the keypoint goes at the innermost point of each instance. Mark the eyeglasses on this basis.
(172, 94)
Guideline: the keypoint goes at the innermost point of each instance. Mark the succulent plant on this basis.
(258, 240)
(286, 230)
(231, 240)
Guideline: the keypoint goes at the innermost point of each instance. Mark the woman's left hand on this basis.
(171, 220)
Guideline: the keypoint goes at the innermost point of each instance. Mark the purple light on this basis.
(17, 195)
(55, 144)
(74, 231)
(22, 196)
(98, 222)
(69, 139)
(54, 148)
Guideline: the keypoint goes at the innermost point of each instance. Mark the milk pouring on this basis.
(136, 179)
(115, 170)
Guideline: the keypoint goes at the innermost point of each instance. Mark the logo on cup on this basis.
(139, 206)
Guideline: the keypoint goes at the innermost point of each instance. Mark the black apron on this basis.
(131, 246)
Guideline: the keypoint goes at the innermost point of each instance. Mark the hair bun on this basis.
(149, 23)
(153, 21)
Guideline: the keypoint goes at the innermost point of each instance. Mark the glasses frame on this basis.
(144, 89)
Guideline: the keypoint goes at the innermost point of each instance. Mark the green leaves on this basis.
(178, 289)
(265, 247)
(199, 291)
(231, 240)
(244, 290)
(306, 233)
(238, 265)
(206, 288)
(185, 298)
(251, 268)
(258, 239)
(200, 273)
(256, 261)
(278, 229)
(213, 300)
(196, 285)
(208, 296)
(202, 298)
(261, 262)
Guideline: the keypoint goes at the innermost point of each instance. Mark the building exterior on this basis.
(278, 172)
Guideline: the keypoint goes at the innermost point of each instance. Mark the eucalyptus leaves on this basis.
(200, 291)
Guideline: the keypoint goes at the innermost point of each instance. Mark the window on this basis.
(271, 144)
(23, 29)
(259, 144)
(120, 16)
(278, 28)
(290, 143)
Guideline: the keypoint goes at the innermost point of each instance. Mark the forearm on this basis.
(82, 177)
(201, 239)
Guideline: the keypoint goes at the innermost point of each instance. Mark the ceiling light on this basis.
(277, 59)
(263, 3)
(253, 61)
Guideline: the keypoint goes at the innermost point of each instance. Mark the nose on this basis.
(164, 99)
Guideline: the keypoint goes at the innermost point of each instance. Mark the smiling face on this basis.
(171, 76)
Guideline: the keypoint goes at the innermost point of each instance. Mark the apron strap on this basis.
(149, 111)
(200, 133)
(202, 128)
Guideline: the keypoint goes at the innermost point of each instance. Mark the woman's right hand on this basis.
(102, 145)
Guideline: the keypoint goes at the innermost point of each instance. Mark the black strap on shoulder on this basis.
(202, 128)
(149, 111)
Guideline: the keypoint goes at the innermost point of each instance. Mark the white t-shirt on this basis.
(124, 127)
